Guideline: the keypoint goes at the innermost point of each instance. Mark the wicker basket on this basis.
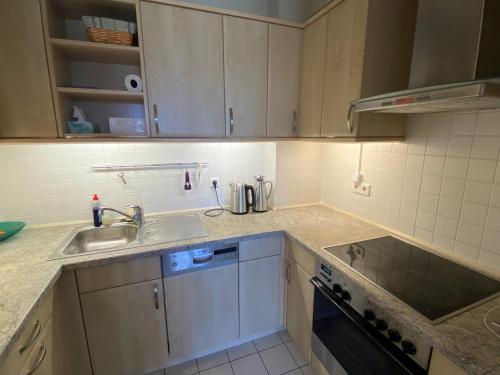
(99, 35)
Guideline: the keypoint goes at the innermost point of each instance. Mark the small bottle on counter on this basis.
(95, 211)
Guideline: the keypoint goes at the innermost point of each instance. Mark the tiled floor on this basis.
(276, 354)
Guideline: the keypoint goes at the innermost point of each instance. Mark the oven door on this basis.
(346, 344)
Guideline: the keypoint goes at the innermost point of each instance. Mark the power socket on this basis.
(362, 189)
(216, 180)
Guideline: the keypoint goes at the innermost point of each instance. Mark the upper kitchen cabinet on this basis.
(26, 108)
(183, 52)
(285, 46)
(368, 52)
(312, 77)
(245, 67)
(92, 46)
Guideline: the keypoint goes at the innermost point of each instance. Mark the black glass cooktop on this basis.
(434, 286)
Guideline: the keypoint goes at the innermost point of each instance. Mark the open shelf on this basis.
(97, 52)
(102, 95)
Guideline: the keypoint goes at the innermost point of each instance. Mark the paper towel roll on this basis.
(133, 83)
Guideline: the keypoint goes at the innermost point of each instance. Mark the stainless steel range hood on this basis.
(455, 64)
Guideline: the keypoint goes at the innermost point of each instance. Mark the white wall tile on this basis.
(450, 191)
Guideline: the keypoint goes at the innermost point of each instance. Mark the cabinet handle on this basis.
(155, 294)
(39, 361)
(34, 335)
(287, 273)
(155, 115)
(231, 121)
(349, 115)
(295, 122)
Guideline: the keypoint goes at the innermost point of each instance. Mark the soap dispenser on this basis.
(95, 211)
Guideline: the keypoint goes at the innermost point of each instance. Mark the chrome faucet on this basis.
(137, 217)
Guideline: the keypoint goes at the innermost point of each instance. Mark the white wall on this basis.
(298, 173)
(442, 185)
(52, 183)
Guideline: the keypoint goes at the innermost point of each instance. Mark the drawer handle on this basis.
(34, 335)
(41, 357)
(156, 298)
(287, 273)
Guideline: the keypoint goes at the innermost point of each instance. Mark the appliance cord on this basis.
(492, 323)
(214, 212)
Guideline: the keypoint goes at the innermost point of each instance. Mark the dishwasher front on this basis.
(201, 298)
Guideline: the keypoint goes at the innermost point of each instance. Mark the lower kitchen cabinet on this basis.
(299, 306)
(199, 321)
(260, 296)
(126, 328)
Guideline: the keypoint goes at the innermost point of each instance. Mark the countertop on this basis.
(26, 275)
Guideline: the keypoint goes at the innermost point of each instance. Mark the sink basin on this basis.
(119, 236)
(91, 239)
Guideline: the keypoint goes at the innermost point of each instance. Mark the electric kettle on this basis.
(261, 194)
(240, 195)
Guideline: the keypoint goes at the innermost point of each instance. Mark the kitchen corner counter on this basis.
(27, 276)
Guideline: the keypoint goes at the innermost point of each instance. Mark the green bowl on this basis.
(9, 228)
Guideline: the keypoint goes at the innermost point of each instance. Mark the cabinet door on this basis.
(259, 296)
(202, 309)
(299, 306)
(26, 107)
(285, 46)
(344, 64)
(126, 328)
(245, 67)
(183, 53)
(41, 358)
(312, 77)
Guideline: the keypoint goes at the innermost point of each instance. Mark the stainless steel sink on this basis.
(91, 239)
(121, 236)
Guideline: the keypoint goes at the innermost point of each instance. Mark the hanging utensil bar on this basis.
(137, 167)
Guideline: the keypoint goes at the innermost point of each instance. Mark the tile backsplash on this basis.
(53, 183)
(442, 185)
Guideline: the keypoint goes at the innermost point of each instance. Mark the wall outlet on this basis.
(217, 180)
(362, 189)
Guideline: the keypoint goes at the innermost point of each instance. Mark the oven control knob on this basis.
(408, 347)
(337, 288)
(369, 315)
(380, 324)
(346, 296)
(394, 335)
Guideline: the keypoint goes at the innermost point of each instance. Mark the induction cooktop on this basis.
(434, 286)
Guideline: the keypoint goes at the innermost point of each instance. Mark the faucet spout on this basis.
(137, 217)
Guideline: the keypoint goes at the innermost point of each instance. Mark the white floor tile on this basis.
(267, 342)
(285, 336)
(241, 351)
(296, 354)
(294, 372)
(308, 370)
(186, 368)
(212, 360)
(278, 360)
(219, 370)
(250, 365)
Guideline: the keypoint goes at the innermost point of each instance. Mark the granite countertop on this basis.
(26, 275)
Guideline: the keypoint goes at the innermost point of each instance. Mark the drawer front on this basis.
(260, 247)
(40, 360)
(27, 341)
(118, 274)
(301, 256)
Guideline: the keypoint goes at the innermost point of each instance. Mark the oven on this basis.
(347, 341)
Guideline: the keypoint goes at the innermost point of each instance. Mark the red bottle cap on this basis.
(95, 197)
